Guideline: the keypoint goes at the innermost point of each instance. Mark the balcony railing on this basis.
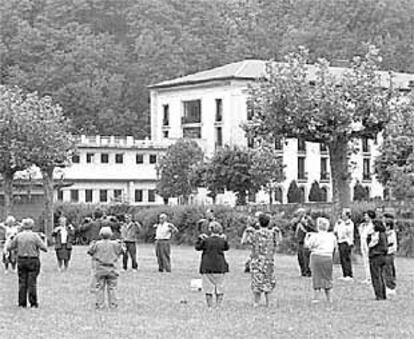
(325, 176)
(302, 177)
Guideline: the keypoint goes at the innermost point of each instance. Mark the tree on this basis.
(329, 108)
(294, 194)
(230, 169)
(267, 168)
(176, 169)
(315, 193)
(394, 166)
(14, 149)
(361, 193)
(51, 144)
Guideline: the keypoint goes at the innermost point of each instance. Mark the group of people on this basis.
(316, 242)
(378, 245)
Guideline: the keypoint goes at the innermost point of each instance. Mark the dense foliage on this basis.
(96, 57)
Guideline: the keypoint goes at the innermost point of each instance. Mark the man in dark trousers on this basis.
(129, 234)
(303, 224)
(28, 245)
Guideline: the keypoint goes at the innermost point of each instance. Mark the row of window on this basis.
(119, 158)
(104, 195)
(192, 112)
(324, 173)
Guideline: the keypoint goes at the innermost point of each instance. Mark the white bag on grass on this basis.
(196, 284)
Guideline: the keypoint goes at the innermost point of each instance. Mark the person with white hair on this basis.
(11, 229)
(322, 245)
(105, 253)
(28, 245)
(163, 233)
(64, 236)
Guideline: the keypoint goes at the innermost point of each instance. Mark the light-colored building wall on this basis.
(234, 96)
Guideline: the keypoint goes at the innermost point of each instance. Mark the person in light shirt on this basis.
(322, 245)
(11, 229)
(344, 231)
(64, 236)
(365, 229)
(163, 233)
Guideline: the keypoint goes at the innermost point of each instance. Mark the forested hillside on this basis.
(96, 57)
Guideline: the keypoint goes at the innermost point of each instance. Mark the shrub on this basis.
(294, 193)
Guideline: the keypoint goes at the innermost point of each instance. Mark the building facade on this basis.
(211, 106)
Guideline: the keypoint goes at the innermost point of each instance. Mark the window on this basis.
(324, 194)
(192, 133)
(303, 192)
(219, 137)
(324, 169)
(88, 195)
(252, 196)
(153, 159)
(219, 110)
(279, 194)
(192, 112)
(250, 142)
(278, 145)
(60, 195)
(301, 168)
(151, 195)
(74, 195)
(166, 115)
(366, 169)
(117, 194)
(103, 195)
(138, 196)
(323, 149)
(165, 134)
(301, 145)
(104, 158)
(365, 145)
(139, 158)
(76, 159)
(119, 158)
(89, 157)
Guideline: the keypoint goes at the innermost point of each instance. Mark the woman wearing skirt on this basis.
(64, 236)
(322, 246)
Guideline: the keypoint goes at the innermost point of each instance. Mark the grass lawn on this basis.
(161, 305)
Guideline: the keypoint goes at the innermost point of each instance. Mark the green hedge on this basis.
(234, 221)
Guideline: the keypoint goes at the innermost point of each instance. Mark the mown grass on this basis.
(161, 305)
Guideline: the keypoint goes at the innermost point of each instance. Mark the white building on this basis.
(210, 107)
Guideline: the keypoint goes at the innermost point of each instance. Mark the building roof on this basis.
(254, 69)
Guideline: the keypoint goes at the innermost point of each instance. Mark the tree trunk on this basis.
(338, 157)
(8, 192)
(47, 175)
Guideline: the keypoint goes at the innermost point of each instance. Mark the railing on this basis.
(190, 120)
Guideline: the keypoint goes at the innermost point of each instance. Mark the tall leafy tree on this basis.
(267, 168)
(334, 109)
(176, 169)
(14, 149)
(51, 144)
(230, 169)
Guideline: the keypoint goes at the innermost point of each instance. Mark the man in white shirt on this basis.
(344, 231)
(163, 233)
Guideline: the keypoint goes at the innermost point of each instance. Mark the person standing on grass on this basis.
(129, 233)
(344, 231)
(389, 269)
(11, 229)
(364, 229)
(28, 245)
(303, 224)
(252, 222)
(163, 233)
(213, 263)
(263, 242)
(64, 236)
(105, 253)
(378, 249)
(203, 224)
(322, 245)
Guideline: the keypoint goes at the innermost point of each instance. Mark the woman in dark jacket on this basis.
(64, 236)
(213, 263)
(378, 248)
